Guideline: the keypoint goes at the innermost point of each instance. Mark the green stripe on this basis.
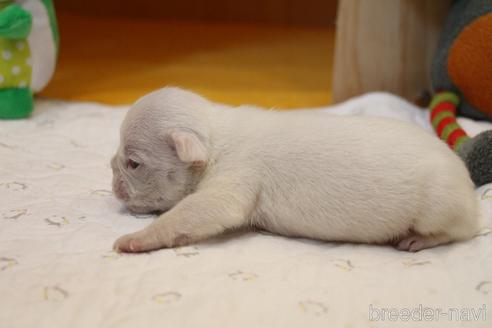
(460, 141)
(439, 117)
(446, 96)
(449, 129)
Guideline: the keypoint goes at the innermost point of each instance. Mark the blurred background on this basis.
(272, 53)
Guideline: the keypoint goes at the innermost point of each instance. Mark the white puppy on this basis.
(301, 173)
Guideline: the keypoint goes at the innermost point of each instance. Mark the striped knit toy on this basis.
(443, 119)
(476, 152)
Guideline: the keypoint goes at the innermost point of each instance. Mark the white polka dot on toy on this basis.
(22, 84)
(16, 70)
(1, 79)
(20, 45)
(6, 54)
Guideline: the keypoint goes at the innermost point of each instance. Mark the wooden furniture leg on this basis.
(386, 45)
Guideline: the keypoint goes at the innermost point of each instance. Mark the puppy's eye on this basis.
(132, 164)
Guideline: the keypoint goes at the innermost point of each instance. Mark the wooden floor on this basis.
(117, 60)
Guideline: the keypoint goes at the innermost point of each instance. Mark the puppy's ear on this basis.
(188, 147)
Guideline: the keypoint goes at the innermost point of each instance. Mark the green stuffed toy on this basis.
(28, 52)
(462, 79)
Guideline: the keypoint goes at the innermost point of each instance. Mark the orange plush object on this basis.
(470, 63)
(463, 60)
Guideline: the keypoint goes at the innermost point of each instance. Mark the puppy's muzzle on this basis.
(120, 191)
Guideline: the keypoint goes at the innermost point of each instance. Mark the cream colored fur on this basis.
(299, 173)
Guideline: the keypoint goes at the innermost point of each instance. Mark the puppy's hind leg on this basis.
(442, 228)
(443, 224)
(448, 210)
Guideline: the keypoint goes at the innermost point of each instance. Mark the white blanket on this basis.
(58, 220)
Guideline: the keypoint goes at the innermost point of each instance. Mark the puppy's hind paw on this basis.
(415, 242)
(412, 243)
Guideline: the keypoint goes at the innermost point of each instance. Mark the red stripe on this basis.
(443, 107)
(454, 136)
(444, 122)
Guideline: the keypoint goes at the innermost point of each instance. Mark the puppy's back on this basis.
(354, 178)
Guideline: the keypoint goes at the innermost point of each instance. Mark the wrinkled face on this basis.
(160, 156)
(149, 177)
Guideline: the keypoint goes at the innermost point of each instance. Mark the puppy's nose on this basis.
(120, 191)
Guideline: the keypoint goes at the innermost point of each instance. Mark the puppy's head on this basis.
(162, 150)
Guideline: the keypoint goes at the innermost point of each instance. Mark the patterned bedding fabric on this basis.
(58, 220)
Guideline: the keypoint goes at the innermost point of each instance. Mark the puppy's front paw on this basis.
(149, 239)
(137, 242)
(127, 244)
